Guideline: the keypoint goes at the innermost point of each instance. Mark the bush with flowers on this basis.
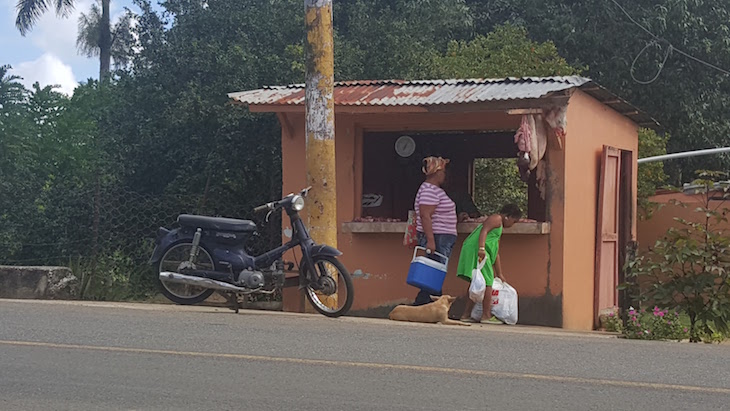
(656, 325)
(688, 270)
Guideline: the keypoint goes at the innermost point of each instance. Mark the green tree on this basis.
(13, 97)
(41, 172)
(687, 97)
(14, 126)
(386, 39)
(651, 176)
(12, 91)
(506, 52)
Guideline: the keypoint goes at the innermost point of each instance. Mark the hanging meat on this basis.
(523, 139)
(531, 140)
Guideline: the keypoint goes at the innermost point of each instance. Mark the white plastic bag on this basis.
(478, 283)
(504, 302)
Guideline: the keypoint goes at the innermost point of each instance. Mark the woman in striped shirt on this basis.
(435, 215)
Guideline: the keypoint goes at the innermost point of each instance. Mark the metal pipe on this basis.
(684, 154)
(202, 282)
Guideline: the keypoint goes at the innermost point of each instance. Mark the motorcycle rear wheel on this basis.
(175, 258)
(337, 281)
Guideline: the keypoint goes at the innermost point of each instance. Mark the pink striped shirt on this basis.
(444, 217)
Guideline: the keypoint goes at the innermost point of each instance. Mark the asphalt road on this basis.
(63, 356)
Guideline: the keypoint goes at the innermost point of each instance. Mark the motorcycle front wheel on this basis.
(336, 293)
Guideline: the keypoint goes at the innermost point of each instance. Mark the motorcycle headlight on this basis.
(297, 203)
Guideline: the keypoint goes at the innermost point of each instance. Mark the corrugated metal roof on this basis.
(443, 92)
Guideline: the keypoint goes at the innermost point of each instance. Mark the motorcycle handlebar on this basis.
(262, 208)
(273, 205)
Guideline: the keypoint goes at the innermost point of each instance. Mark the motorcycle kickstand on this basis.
(233, 302)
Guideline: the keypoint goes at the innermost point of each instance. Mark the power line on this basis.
(670, 48)
(654, 36)
(661, 66)
(702, 61)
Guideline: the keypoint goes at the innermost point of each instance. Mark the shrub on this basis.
(657, 325)
(689, 269)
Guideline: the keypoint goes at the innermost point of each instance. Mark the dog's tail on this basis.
(449, 321)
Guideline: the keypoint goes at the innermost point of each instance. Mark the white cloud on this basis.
(57, 36)
(47, 70)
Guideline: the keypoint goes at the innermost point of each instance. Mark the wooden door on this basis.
(607, 233)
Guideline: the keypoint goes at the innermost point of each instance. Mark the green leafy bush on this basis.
(689, 269)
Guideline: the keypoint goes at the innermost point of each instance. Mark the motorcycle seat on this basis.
(216, 223)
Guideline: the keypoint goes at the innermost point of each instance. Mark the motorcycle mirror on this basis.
(268, 215)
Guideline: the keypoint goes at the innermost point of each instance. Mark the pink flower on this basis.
(610, 314)
(685, 330)
(661, 314)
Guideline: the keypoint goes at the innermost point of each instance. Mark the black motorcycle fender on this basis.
(324, 250)
(165, 238)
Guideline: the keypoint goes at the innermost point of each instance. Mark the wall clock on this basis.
(405, 146)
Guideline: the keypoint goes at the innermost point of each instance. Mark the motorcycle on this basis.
(208, 254)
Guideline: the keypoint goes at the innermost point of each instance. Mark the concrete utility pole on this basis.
(320, 123)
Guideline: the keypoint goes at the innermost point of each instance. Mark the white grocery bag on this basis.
(478, 283)
(504, 302)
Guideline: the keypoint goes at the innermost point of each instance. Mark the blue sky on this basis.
(48, 53)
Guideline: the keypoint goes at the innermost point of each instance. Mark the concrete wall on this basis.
(591, 125)
(654, 228)
(37, 283)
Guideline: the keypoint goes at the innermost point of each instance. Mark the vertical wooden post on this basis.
(320, 123)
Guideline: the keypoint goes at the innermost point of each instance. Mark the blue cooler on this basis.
(427, 274)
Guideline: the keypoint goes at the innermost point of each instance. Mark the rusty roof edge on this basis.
(576, 81)
(584, 84)
(572, 81)
(242, 97)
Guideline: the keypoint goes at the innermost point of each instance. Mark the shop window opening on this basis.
(482, 174)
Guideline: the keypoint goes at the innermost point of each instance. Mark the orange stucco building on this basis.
(564, 264)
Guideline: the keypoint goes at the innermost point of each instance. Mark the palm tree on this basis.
(11, 91)
(122, 41)
(29, 11)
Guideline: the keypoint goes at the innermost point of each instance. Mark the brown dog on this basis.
(436, 312)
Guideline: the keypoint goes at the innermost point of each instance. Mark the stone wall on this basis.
(47, 283)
